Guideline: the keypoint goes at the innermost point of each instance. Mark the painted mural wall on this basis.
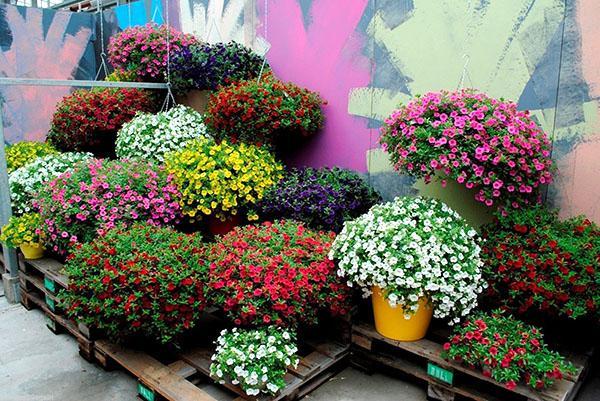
(366, 56)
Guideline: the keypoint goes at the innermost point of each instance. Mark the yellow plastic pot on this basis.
(32, 251)
(391, 323)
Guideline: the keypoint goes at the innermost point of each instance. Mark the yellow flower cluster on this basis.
(23, 230)
(21, 153)
(221, 179)
(121, 76)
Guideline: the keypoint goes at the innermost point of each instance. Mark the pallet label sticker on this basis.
(145, 393)
(49, 284)
(51, 304)
(440, 373)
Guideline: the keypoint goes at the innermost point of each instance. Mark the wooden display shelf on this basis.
(449, 380)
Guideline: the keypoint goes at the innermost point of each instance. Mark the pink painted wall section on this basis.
(39, 49)
(323, 52)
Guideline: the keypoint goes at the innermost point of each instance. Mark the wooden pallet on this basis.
(448, 380)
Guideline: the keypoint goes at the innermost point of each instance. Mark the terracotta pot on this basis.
(391, 322)
(196, 99)
(219, 227)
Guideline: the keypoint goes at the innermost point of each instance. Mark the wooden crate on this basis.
(448, 380)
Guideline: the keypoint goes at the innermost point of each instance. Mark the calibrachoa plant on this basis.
(23, 230)
(88, 120)
(507, 350)
(275, 273)
(482, 143)
(26, 181)
(207, 66)
(140, 281)
(150, 136)
(256, 360)
(221, 179)
(144, 50)
(260, 112)
(321, 198)
(413, 248)
(94, 197)
(541, 266)
(21, 153)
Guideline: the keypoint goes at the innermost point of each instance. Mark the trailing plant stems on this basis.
(10, 256)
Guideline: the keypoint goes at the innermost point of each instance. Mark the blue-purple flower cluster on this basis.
(321, 198)
(207, 66)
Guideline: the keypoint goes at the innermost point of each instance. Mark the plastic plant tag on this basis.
(440, 373)
(145, 393)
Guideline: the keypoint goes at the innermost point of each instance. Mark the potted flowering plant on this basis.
(28, 180)
(482, 143)
(321, 198)
(150, 136)
(24, 232)
(144, 50)
(264, 112)
(507, 350)
(142, 281)
(417, 257)
(256, 360)
(542, 267)
(220, 180)
(83, 203)
(22, 153)
(274, 273)
(201, 68)
(88, 120)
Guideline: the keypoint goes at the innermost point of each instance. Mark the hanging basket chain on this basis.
(103, 65)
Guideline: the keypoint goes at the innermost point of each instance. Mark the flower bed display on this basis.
(26, 181)
(321, 198)
(144, 49)
(543, 267)
(275, 273)
(88, 120)
(482, 143)
(143, 281)
(22, 153)
(94, 197)
(413, 248)
(264, 112)
(208, 66)
(150, 136)
(222, 179)
(506, 350)
(256, 360)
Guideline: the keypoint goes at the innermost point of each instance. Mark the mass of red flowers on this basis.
(264, 112)
(88, 120)
(540, 266)
(507, 350)
(142, 281)
(275, 273)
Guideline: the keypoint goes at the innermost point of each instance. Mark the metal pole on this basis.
(80, 83)
(10, 279)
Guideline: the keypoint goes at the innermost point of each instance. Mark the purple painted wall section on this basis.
(323, 54)
(38, 43)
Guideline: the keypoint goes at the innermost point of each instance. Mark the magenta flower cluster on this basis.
(94, 197)
(483, 143)
(143, 50)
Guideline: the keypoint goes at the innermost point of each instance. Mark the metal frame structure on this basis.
(10, 280)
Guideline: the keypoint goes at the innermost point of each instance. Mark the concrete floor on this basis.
(36, 365)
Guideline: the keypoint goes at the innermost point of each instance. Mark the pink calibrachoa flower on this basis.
(478, 141)
(83, 203)
(143, 49)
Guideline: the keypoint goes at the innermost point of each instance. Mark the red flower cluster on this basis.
(536, 263)
(506, 350)
(261, 112)
(141, 281)
(275, 273)
(88, 120)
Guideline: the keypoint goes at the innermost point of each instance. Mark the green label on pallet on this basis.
(50, 323)
(145, 392)
(51, 304)
(440, 373)
(49, 284)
